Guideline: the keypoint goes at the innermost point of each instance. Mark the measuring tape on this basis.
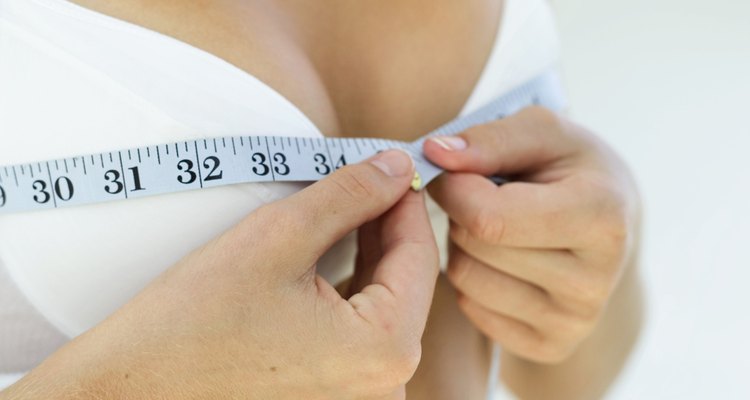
(196, 164)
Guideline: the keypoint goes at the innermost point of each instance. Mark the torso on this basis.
(387, 69)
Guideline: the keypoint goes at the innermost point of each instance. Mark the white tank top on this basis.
(75, 81)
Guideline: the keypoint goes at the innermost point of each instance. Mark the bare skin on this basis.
(359, 69)
(342, 63)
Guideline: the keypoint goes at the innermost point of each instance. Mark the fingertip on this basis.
(434, 151)
(445, 151)
(451, 143)
(395, 163)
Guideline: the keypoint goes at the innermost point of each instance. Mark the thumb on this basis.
(303, 226)
(519, 143)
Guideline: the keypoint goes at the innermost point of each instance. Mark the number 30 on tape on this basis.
(204, 163)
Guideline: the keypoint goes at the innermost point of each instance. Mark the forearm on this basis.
(589, 372)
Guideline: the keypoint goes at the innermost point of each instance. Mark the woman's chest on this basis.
(387, 69)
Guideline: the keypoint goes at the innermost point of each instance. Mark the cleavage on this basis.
(392, 69)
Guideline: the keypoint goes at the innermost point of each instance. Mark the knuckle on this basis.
(459, 235)
(487, 226)
(550, 351)
(611, 215)
(595, 289)
(541, 309)
(589, 291)
(613, 226)
(550, 121)
(572, 327)
(383, 317)
(555, 338)
(393, 369)
(398, 352)
(539, 348)
(406, 362)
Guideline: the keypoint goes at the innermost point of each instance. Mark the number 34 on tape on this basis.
(204, 163)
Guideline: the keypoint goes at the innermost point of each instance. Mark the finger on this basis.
(496, 290)
(369, 253)
(519, 214)
(299, 229)
(573, 285)
(513, 335)
(403, 283)
(549, 269)
(525, 141)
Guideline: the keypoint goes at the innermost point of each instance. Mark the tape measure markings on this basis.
(134, 173)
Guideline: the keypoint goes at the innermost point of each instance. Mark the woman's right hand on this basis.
(246, 315)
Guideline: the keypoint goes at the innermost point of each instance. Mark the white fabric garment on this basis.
(74, 81)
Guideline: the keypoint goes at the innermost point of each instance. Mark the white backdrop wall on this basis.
(666, 82)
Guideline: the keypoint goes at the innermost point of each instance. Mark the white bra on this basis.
(75, 81)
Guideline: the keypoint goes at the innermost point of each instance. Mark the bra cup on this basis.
(77, 265)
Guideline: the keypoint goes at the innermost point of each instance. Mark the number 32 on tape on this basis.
(204, 163)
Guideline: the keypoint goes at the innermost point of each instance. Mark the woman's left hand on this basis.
(536, 260)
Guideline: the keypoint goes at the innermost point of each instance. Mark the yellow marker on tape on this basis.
(226, 160)
(416, 182)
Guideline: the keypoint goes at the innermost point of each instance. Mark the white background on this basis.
(666, 82)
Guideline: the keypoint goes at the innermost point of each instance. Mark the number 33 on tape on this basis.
(205, 163)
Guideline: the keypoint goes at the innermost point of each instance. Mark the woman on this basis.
(542, 265)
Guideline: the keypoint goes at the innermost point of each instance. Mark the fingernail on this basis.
(450, 143)
(394, 162)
